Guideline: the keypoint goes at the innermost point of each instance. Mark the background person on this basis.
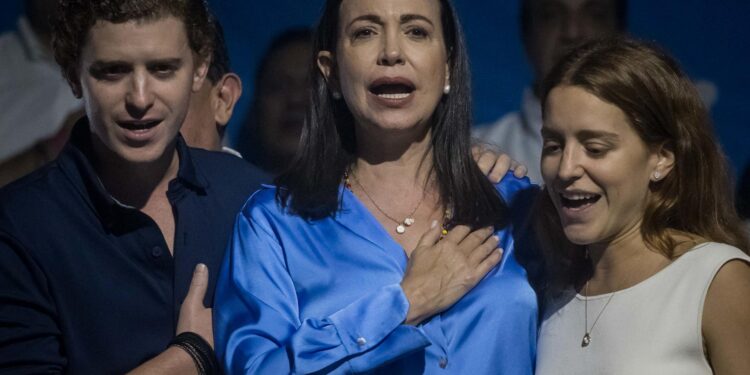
(331, 272)
(657, 277)
(270, 136)
(212, 106)
(549, 28)
(38, 107)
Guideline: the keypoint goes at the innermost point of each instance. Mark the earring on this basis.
(657, 175)
(447, 89)
(336, 95)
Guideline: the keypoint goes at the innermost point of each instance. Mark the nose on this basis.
(139, 98)
(570, 167)
(391, 53)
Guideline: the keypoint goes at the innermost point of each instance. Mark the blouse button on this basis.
(361, 341)
(156, 251)
(443, 363)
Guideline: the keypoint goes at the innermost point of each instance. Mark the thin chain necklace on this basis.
(400, 225)
(587, 331)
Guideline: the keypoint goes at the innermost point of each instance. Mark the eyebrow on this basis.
(583, 134)
(404, 19)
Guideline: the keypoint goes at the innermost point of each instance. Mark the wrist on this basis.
(199, 350)
(416, 313)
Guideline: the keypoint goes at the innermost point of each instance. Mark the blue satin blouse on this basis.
(324, 296)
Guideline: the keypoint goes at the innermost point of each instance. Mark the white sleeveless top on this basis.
(651, 328)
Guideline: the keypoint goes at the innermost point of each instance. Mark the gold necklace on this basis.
(400, 225)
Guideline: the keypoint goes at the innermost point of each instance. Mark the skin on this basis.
(404, 38)
(134, 72)
(282, 101)
(558, 25)
(590, 146)
(210, 110)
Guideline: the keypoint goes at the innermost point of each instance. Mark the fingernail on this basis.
(200, 267)
(434, 224)
(496, 238)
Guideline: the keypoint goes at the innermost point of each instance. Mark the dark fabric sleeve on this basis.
(30, 340)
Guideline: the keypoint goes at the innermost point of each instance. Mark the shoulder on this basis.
(228, 170)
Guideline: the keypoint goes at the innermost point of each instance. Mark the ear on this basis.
(199, 75)
(224, 96)
(664, 162)
(327, 66)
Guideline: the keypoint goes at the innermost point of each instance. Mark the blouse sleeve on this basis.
(256, 316)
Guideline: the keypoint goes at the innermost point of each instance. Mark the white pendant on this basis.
(409, 221)
(586, 340)
(400, 229)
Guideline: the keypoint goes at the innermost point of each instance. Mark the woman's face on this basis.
(596, 167)
(390, 63)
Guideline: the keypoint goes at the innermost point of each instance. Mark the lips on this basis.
(139, 132)
(392, 91)
(139, 124)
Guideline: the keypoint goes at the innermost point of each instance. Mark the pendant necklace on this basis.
(587, 331)
(400, 225)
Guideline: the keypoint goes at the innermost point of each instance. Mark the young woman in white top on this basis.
(650, 273)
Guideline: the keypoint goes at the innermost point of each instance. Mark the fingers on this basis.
(485, 161)
(481, 252)
(198, 285)
(502, 164)
(490, 261)
(430, 237)
(475, 239)
(519, 170)
(457, 234)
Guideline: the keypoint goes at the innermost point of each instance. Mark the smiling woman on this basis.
(376, 251)
(654, 275)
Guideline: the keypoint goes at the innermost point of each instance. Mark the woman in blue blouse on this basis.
(376, 252)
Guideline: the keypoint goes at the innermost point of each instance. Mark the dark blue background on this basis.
(710, 38)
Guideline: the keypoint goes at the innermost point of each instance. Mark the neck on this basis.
(623, 262)
(390, 158)
(135, 184)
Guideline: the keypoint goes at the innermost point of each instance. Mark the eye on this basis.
(418, 32)
(596, 150)
(363, 33)
(550, 147)
(109, 72)
(163, 70)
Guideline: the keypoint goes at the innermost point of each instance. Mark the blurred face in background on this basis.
(282, 99)
(557, 25)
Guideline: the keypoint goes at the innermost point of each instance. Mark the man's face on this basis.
(557, 25)
(136, 79)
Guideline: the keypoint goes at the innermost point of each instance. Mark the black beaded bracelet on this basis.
(199, 350)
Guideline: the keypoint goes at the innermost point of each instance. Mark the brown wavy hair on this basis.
(696, 198)
(75, 18)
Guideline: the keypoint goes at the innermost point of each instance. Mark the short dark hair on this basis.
(220, 61)
(76, 18)
(621, 11)
(328, 147)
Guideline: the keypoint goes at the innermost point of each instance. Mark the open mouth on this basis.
(578, 200)
(139, 125)
(392, 88)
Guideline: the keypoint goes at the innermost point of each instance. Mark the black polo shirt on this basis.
(87, 285)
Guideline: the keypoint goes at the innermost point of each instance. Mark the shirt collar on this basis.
(75, 161)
